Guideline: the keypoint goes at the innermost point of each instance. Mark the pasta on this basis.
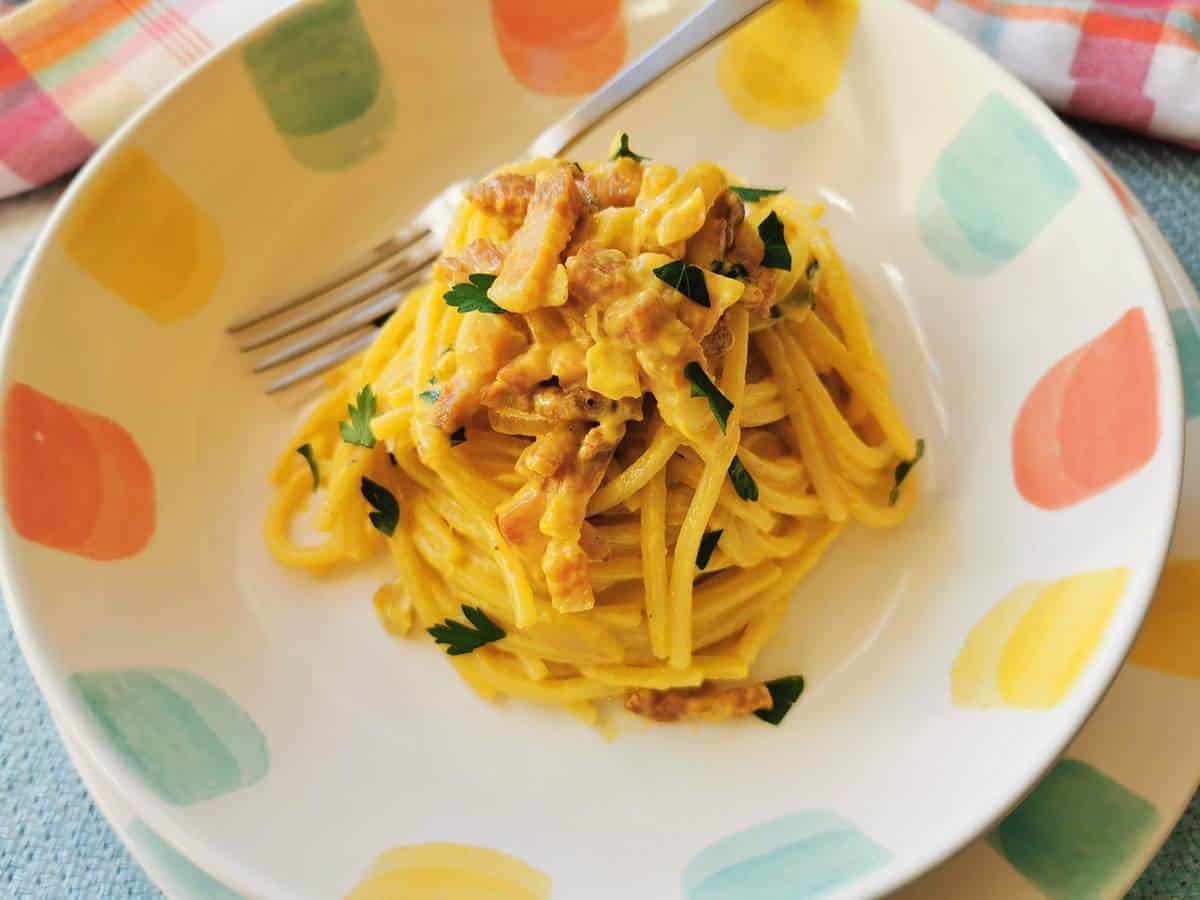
(631, 411)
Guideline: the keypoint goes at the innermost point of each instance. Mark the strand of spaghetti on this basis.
(810, 450)
(683, 566)
(833, 423)
(689, 471)
(510, 680)
(349, 465)
(795, 569)
(846, 309)
(394, 425)
(419, 580)
(719, 595)
(318, 420)
(394, 330)
(279, 517)
(763, 627)
(638, 473)
(658, 677)
(880, 514)
(470, 671)
(863, 382)
(654, 560)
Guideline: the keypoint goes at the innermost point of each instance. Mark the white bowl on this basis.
(263, 723)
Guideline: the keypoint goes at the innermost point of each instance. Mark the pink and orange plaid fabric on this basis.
(1134, 63)
(71, 71)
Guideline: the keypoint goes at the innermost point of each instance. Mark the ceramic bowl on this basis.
(263, 724)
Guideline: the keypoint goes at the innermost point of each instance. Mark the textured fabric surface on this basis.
(1130, 62)
(55, 845)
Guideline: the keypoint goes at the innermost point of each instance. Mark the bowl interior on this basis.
(1024, 334)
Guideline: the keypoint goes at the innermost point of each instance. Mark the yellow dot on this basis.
(1171, 634)
(1032, 646)
(450, 872)
(137, 233)
(780, 69)
(1056, 638)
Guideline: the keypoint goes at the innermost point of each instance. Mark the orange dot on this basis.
(126, 520)
(73, 480)
(561, 46)
(1091, 421)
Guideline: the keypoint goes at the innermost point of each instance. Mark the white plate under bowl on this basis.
(261, 722)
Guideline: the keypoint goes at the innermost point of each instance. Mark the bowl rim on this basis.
(1120, 633)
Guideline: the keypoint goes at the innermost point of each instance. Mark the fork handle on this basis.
(701, 29)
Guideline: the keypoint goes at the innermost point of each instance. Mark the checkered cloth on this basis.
(71, 71)
(1134, 63)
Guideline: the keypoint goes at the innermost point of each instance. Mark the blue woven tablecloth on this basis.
(55, 845)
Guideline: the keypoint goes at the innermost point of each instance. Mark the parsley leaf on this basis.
(461, 639)
(776, 254)
(471, 295)
(387, 512)
(752, 195)
(729, 270)
(429, 395)
(702, 386)
(708, 544)
(902, 469)
(784, 692)
(307, 452)
(743, 481)
(685, 278)
(623, 150)
(459, 437)
(358, 430)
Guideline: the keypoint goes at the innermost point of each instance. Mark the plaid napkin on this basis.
(71, 71)
(1134, 63)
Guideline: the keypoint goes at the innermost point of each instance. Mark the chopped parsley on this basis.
(752, 195)
(784, 693)
(429, 395)
(902, 469)
(306, 451)
(729, 270)
(459, 437)
(471, 295)
(623, 150)
(387, 510)
(776, 254)
(358, 430)
(743, 481)
(702, 386)
(685, 278)
(461, 639)
(708, 544)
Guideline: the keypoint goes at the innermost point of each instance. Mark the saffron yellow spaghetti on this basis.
(631, 411)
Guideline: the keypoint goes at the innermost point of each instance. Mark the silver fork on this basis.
(337, 318)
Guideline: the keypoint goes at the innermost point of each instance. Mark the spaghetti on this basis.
(631, 412)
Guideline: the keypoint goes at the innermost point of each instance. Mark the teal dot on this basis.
(185, 737)
(992, 189)
(793, 857)
(1186, 325)
(187, 880)
(1077, 835)
(321, 80)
